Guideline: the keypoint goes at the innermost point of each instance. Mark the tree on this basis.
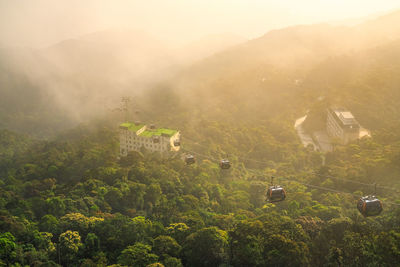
(206, 247)
(179, 231)
(42, 240)
(166, 246)
(69, 245)
(156, 264)
(334, 258)
(7, 248)
(247, 244)
(138, 229)
(172, 262)
(153, 193)
(137, 255)
(257, 193)
(358, 250)
(281, 251)
(49, 223)
(55, 206)
(92, 244)
(78, 222)
(388, 244)
(114, 197)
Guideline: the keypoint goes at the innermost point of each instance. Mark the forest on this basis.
(72, 201)
(67, 197)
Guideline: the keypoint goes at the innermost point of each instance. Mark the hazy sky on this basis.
(40, 23)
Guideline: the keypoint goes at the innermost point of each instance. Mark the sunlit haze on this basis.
(44, 22)
(201, 133)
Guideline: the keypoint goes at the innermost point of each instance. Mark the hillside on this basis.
(72, 200)
(293, 50)
(208, 46)
(84, 78)
(266, 99)
(365, 82)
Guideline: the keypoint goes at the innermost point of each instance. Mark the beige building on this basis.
(341, 124)
(135, 136)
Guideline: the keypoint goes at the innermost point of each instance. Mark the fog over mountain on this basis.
(85, 77)
(199, 133)
(289, 53)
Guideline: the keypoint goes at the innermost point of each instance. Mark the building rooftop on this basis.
(158, 132)
(345, 116)
(131, 126)
(148, 132)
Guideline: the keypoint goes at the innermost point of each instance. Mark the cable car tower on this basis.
(125, 107)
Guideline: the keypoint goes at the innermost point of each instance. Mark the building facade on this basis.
(341, 124)
(135, 136)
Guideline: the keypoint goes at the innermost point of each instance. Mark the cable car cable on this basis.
(356, 182)
(328, 176)
(309, 185)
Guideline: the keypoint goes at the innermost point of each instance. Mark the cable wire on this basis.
(306, 184)
(357, 182)
(327, 176)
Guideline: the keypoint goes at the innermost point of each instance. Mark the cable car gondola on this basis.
(225, 164)
(369, 206)
(275, 193)
(190, 159)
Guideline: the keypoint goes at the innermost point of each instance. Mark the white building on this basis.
(341, 124)
(134, 136)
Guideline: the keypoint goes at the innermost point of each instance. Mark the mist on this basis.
(199, 133)
(74, 61)
(42, 23)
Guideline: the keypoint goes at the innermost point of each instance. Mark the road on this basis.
(305, 138)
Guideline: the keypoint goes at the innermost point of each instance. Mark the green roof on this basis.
(131, 126)
(158, 132)
(149, 132)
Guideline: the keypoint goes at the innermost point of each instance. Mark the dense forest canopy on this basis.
(71, 200)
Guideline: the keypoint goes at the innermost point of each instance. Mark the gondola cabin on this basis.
(190, 159)
(276, 193)
(224, 164)
(369, 206)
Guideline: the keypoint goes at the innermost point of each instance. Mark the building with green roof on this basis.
(135, 136)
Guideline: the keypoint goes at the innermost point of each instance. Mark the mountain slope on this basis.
(265, 70)
(85, 77)
(74, 80)
(298, 47)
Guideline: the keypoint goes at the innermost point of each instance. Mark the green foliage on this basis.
(206, 247)
(172, 262)
(7, 248)
(69, 245)
(281, 251)
(73, 201)
(166, 246)
(179, 231)
(137, 255)
(91, 244)
(55, 206)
